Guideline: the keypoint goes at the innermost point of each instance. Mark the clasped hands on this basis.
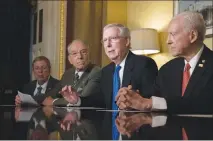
(130, 99)
(128, 123)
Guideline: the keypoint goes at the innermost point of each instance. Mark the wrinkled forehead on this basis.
(176, 24)
(111, 31)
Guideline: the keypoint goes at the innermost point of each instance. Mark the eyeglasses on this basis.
(82, 52)
(112, 39)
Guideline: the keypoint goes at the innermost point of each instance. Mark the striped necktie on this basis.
(76, 78)
(39, 89)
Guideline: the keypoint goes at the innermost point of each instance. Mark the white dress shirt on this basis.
(80, 73)
(159, 103)
(121, 72)
(44, 87)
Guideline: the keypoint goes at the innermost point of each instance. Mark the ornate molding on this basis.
(62, 38)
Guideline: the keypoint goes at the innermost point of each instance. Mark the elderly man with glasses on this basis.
(125, 69)
(79, 84)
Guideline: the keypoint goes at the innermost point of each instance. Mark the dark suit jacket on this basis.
(198, 95)
(87, 85)
(139, 71)
(30, 87)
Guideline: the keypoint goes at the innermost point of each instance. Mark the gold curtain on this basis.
(85, 21)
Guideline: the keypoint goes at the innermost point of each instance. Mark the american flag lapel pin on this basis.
(200, 65)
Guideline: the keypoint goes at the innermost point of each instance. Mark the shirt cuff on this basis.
(159, 121)
(158, 103)
(77, 104)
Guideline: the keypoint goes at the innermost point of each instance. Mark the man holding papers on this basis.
(44, 81)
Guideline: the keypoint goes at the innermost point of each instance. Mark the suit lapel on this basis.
(129, 64)
(33, 87)
(49, 85)
(109, 84)
(178, 77)
(198, 72)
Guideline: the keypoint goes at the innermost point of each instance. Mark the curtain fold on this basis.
(85, 21)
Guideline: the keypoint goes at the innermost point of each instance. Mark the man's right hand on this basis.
(17, 100)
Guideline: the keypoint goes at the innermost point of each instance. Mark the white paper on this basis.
(26, 114)
(27, 99)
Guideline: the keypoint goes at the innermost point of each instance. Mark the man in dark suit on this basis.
(79, 82)
(184, 84)
(126, 68)
(44, 81)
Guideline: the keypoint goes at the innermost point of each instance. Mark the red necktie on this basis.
(186, 76)
(184, 135)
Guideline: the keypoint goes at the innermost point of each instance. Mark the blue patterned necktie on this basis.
(116, 86)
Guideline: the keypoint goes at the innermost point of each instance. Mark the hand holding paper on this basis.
(26, 99)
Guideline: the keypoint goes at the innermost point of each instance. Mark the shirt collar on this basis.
(43, 85)
(194, 60)
(124, 60)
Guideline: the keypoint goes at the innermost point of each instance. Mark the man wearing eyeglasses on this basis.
(79, 82)
(44, 81)
(126, 68)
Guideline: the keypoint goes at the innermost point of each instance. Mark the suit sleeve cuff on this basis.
(158, 103)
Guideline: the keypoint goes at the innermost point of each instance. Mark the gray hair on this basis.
(76, 40)
(194, 21)
(124, 31)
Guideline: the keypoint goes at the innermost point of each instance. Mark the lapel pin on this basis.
(200, 65)
(203, 61)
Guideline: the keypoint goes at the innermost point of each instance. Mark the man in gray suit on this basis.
(79, 82)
